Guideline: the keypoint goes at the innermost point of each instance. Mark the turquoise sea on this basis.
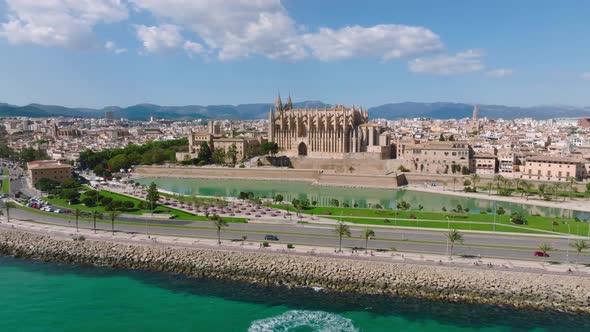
(38, 296)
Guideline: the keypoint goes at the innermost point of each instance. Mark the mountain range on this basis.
(438, 110)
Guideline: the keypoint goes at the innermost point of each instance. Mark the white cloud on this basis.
(159, 39)
(462, 62)
(112, 47)
(67, 23)
(192, 48)
(499, 73)
(386, 41)
(236, 29)
(586, 76)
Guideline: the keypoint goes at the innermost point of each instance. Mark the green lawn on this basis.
(184, 198)
(463, 221)
(182, 215)
(6, 181)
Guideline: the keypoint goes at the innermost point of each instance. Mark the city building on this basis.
(485, 163)
(437, 157)
(48, 169)
(245, 147)
(334, 132)
(549, 168)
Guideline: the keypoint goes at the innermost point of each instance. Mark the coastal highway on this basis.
(411, 240)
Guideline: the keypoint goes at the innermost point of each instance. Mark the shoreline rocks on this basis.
(516, 289)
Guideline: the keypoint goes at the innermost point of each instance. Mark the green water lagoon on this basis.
(363, 197)
(37, 296)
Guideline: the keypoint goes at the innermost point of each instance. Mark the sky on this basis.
(97, 53)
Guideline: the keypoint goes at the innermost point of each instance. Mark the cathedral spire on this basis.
(289, 105)
(279, 104)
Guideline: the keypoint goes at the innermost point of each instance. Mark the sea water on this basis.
(38, 296)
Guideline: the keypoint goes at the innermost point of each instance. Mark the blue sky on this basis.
(95, 53)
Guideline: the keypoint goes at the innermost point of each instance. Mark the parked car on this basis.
(269, 237)
(541, 254)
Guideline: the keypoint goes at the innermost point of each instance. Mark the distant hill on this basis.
(458, 110)
(437, 110)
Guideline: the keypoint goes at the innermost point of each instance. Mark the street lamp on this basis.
(495, 211)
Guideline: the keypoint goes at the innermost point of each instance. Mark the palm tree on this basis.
(498, 178)
(341, 230)
(8, 206)
(219, 223)
(474, 180)
(113, 215)
(244, 238)
(77, 214)
(367, 234)
(454, 236)
(572, 182)
(580, 245)
(545, 247)
(95, 215)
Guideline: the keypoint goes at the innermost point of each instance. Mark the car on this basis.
(541, 254)
(270, 237)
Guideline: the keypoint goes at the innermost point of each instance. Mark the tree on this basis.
(118, 162)
(95, 215)
(588, 187)
(580, 245)
(334, 202)
(367, 234)
(152, 195)
(244, 238)
(268, 148)
(219, 156)
(500, 211)
(279, 198)
(572, 183)
(204, 152)
(7, 207)
(518, 218)
(475, 180)
(219, 223)
(545, 247)
(454, 236)
(341, 230)
(113, 215)
(403, 205)
(441, 138)
(232, 153)
(77, 214)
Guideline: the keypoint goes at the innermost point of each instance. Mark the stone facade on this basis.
(48, 169)
(245, 147)
(554, 168)
(435, 157)
(485, 164)
(326, 133)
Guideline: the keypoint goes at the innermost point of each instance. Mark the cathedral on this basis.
(336, 132)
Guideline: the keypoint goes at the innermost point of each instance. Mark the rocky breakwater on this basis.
(570, 293)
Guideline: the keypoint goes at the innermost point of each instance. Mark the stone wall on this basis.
(571, 293)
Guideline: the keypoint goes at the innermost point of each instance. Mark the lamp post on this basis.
(495, 211)
(567, 253)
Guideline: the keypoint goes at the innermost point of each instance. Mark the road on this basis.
(426, 241)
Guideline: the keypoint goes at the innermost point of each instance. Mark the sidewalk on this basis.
(63, 232)
(577, 204)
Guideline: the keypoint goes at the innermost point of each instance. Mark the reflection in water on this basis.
(362, 197)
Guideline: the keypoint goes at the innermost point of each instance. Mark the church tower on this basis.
(271, 125)
(475, 120)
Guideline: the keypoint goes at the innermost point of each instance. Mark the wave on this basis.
(318, 321)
